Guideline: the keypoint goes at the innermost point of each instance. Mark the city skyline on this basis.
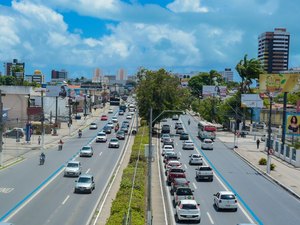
(179, 36)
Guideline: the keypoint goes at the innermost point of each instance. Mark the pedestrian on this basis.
(39, 140)
(257, 143)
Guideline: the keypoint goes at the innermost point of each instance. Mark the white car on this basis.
(86, 151)
(164, 136)
(167, 148)
(207, 144)
(188, 144)
(114, 119)
(73, 168)
(129, 117)
(93, 126)
(85, 183)
(225, 200)
(188, 210)
(110, 110)
(114, 143)
(196, 159)
(101, 137)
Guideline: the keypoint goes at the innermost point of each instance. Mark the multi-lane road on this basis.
(38, 195)
(261, 201)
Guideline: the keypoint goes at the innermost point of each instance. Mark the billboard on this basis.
(279, 82)
(293, 124)
(214, 91)
(251, 101)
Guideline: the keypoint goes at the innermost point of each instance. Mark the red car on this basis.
(104, 117)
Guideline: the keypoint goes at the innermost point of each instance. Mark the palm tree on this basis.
(248, 71)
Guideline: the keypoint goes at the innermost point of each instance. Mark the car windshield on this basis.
(114, 140)
(86, 148)
(196, 156)
(84, 180)
(228, 197)
(177, 170)
(205, 168)
(93, 124)
(184, 191)
(207, 141)
(72, 165)
(189, 206)
(101, 134)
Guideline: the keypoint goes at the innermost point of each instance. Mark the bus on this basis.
(206, 130)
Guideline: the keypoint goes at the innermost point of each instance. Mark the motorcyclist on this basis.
(60, 144)
(42, 158)
(79, 133)
(189, 122)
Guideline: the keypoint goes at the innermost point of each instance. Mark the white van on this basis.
(207, 144)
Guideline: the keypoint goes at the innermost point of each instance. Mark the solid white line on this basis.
(195, 187)
(66, 199)
(88, 170)
(209, 217)
(100, 153)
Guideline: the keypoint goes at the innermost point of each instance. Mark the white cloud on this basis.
(187, 6)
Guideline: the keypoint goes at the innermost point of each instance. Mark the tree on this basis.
(248, 70)
(160, 90)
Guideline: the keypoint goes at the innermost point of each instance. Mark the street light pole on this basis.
(149, 207)
(1, 128)
(43, 117)
(269, 135)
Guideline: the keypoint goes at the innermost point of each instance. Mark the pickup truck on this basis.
(204, 172)
(175, 173)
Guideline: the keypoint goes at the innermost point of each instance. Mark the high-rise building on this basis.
(121, 75)
(273, 50)
(97, 76)
(15, 69)
(227, 74)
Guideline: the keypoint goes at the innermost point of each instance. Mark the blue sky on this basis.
(178, 35)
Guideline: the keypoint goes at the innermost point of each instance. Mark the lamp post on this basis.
(269, 134)
(149, 161)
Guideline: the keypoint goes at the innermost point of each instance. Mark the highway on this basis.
(261, 201)
(42, 195)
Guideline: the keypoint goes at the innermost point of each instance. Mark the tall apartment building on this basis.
(97, 76)
(273, 50)
(121, 75)
(227, 74)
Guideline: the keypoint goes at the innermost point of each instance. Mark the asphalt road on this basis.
(42, 195)
(261, 201)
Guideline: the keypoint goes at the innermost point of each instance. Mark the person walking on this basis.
(257, 143)
(39, 140)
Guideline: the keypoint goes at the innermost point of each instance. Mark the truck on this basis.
(204, 172)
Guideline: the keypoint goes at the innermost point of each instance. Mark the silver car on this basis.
(86, 151)
(113, 143)
(73, 168)
(85, 183)
(188, 144)
(196, 159)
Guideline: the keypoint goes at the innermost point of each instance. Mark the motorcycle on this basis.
(79, 134)
(42, 160)
(60, 146)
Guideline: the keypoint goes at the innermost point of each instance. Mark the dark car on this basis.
(165, 129)
(15, 133)
(107, 129)
(184, 136)
(120, 135)
(178, 124)
(125, 122)
(124, 128)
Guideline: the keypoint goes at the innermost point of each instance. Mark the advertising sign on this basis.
(214, 91)
(298, 106)
(251, 101)
(293, 124)
(279, 82)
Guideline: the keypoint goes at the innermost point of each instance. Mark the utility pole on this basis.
(269, 135)
(1, 128)
(149, 206)
(43, 117)
(70, 115)
(85, 91)
(283, 121)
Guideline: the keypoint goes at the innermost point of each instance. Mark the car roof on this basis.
(173, 161)
(170, 146)
(226, 193)
(101, 132)
(188, 201)
(73, 161)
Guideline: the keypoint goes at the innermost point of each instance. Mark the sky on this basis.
(180, 36)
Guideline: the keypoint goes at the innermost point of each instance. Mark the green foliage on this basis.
(248, 70)
(138, 204)
(262, 161)
(272, 166)
(160, 91)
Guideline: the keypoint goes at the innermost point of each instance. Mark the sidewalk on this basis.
(14, 151)
(284, 174)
